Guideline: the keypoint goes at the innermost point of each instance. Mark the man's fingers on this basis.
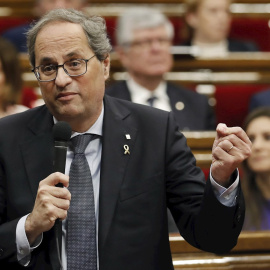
(61, 203)
(238, 144)
(223, 131)
(56, 178)
(54, 212)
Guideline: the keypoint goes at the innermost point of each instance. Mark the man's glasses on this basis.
(73, 68)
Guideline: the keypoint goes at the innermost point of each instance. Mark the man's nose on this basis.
(156, 44)
(62, 78)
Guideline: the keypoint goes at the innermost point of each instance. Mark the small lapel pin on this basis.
(126, 148)
(128, 137)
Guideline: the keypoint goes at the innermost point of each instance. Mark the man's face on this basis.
(212, 20)
(43, 6)
(70, 98)
(149, 53)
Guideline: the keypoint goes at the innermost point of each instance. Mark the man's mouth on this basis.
(66, 96)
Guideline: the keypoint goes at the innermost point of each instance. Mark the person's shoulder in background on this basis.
(118, 89)
(236, 45)
(17, 36)
(261, 99)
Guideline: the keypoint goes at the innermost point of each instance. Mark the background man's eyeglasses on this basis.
(147, 43)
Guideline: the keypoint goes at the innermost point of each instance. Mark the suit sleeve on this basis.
(8, 250)
(201, 219)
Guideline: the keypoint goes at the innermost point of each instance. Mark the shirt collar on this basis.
(212, 50)
(139, 93)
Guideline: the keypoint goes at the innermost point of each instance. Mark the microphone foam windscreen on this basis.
(61, 131)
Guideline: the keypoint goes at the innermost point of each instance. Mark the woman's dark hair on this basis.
(253, 197)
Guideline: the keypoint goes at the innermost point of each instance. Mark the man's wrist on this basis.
(31, 233)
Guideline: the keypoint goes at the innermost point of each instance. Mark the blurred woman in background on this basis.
(208, 24)
(10, 80)
(256, 169)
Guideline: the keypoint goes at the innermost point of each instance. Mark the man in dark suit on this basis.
(144, 38)
(139, 162)
(191, 110)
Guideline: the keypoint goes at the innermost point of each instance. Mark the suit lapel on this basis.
(37, 151)
(116, 134)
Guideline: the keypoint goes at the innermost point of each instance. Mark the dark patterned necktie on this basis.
(81, 222)
(151, 100)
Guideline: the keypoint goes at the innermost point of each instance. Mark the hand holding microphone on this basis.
(51, 202)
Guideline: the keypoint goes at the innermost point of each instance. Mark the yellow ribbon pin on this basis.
(126, 148)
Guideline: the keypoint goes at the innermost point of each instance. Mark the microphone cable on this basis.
(57, 224)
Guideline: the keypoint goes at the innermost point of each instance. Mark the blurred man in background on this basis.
(144, 38)
(17, 36)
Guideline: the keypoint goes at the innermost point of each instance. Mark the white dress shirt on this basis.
(212, 50)
(140, 95)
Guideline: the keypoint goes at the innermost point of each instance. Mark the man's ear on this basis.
(106, 66)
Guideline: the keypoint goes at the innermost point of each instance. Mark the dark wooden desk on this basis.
(235, 68)
(238, 61)
(256, 61)
(252, 252)
(200, 143)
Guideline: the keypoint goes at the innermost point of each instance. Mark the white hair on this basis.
(136, 18)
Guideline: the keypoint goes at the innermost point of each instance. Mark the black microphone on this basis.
(61, 134)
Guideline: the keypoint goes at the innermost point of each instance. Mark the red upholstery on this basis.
(178, 24)
(233, 102)
(111, 23)
(206, 172)
(9, 22)
(255, 29)
(28, 97)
